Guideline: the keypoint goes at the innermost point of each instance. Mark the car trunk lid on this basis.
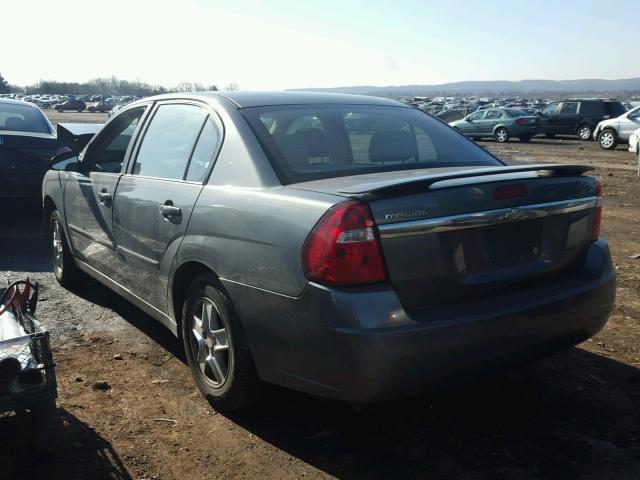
(450, 236)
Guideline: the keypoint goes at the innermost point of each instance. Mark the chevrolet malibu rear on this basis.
(352, 248)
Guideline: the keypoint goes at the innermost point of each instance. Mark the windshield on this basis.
(311, 142)
(22, 118)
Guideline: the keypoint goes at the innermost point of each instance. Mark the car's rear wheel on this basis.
(60, 110)
(79, 110)
(216, 347)
(608, 139)
(501, 135)
(584, 132)
(92, 110)
(65, 271)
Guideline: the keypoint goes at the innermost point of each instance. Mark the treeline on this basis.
(110, 86)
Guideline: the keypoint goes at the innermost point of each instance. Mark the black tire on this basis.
(80, 110)
(584, 132)
(550, 135)
(60, 110)
(46, 427)
(92, 110)
(524, 139)
(501, 135)
(608, 139)
(240, 386)
(65, 271)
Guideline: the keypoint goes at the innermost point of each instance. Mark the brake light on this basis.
(520, 121)
(343, 248)
(597, 215)
(510, 191)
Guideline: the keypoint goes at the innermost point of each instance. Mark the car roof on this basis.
(17, 102)
(261, 99)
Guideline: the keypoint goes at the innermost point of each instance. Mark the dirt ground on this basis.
(575, 415)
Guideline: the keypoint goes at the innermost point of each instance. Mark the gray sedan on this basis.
(349, 247)
(499, 123)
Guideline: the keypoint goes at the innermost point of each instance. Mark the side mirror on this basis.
(65, 162)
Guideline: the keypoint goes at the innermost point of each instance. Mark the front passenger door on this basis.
(155, 197)
(88, 195)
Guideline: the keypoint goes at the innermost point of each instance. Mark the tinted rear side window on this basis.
(22, 118)
(614, 109)
(311, 142)
(592, 109)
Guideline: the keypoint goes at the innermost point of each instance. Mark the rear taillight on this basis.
(520, 121)
(343, 248)
(597, 215)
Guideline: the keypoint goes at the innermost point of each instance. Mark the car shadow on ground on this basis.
(574, 415)
(81, 452)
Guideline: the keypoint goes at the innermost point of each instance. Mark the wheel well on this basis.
(584, 124)
(183, 277)
(47, 207)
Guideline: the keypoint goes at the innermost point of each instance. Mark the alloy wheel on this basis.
(210, 347)
(584, 133)
(606, 139)
(501, 135)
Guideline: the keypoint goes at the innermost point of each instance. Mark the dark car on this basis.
(499, 123)
(77, 105)
(577, 117)
(347, 246)
(27, 143)
(101, 107)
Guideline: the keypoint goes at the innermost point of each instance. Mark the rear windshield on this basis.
(513, 112)
(311, 142)
(614, 109)
(22, 118)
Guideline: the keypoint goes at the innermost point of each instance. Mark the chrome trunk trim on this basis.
(486, 218)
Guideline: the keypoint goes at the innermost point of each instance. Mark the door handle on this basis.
(169, 210)
(104, 196)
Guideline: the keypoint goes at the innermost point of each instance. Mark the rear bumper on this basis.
(360, 344)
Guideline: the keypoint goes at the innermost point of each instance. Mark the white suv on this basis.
(609, 133)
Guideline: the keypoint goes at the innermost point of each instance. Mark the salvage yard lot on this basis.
(575, 415)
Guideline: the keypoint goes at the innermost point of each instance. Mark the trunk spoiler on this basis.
(76, 135)
(424, 182)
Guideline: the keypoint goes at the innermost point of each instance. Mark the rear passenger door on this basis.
(156, 196)
(490, 120)
(568, 118)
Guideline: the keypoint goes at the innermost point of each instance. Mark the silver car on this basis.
(609, 133)
(345, 246)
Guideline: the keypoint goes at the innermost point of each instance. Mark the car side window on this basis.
(477, 115)
(493, 114)
(569, 108)
(203, 154)
(550, 110)
(169, 141)
(107, 151)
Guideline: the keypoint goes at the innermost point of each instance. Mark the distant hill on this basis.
(583, 86)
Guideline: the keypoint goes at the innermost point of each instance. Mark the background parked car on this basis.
(27, 143)
(610, 132)
(499, 123)
(77, 105)
(100, 107)
(577, 117)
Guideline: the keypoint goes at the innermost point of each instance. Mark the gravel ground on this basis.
(575, 415)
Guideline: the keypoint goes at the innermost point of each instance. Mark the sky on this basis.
(281, 44)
